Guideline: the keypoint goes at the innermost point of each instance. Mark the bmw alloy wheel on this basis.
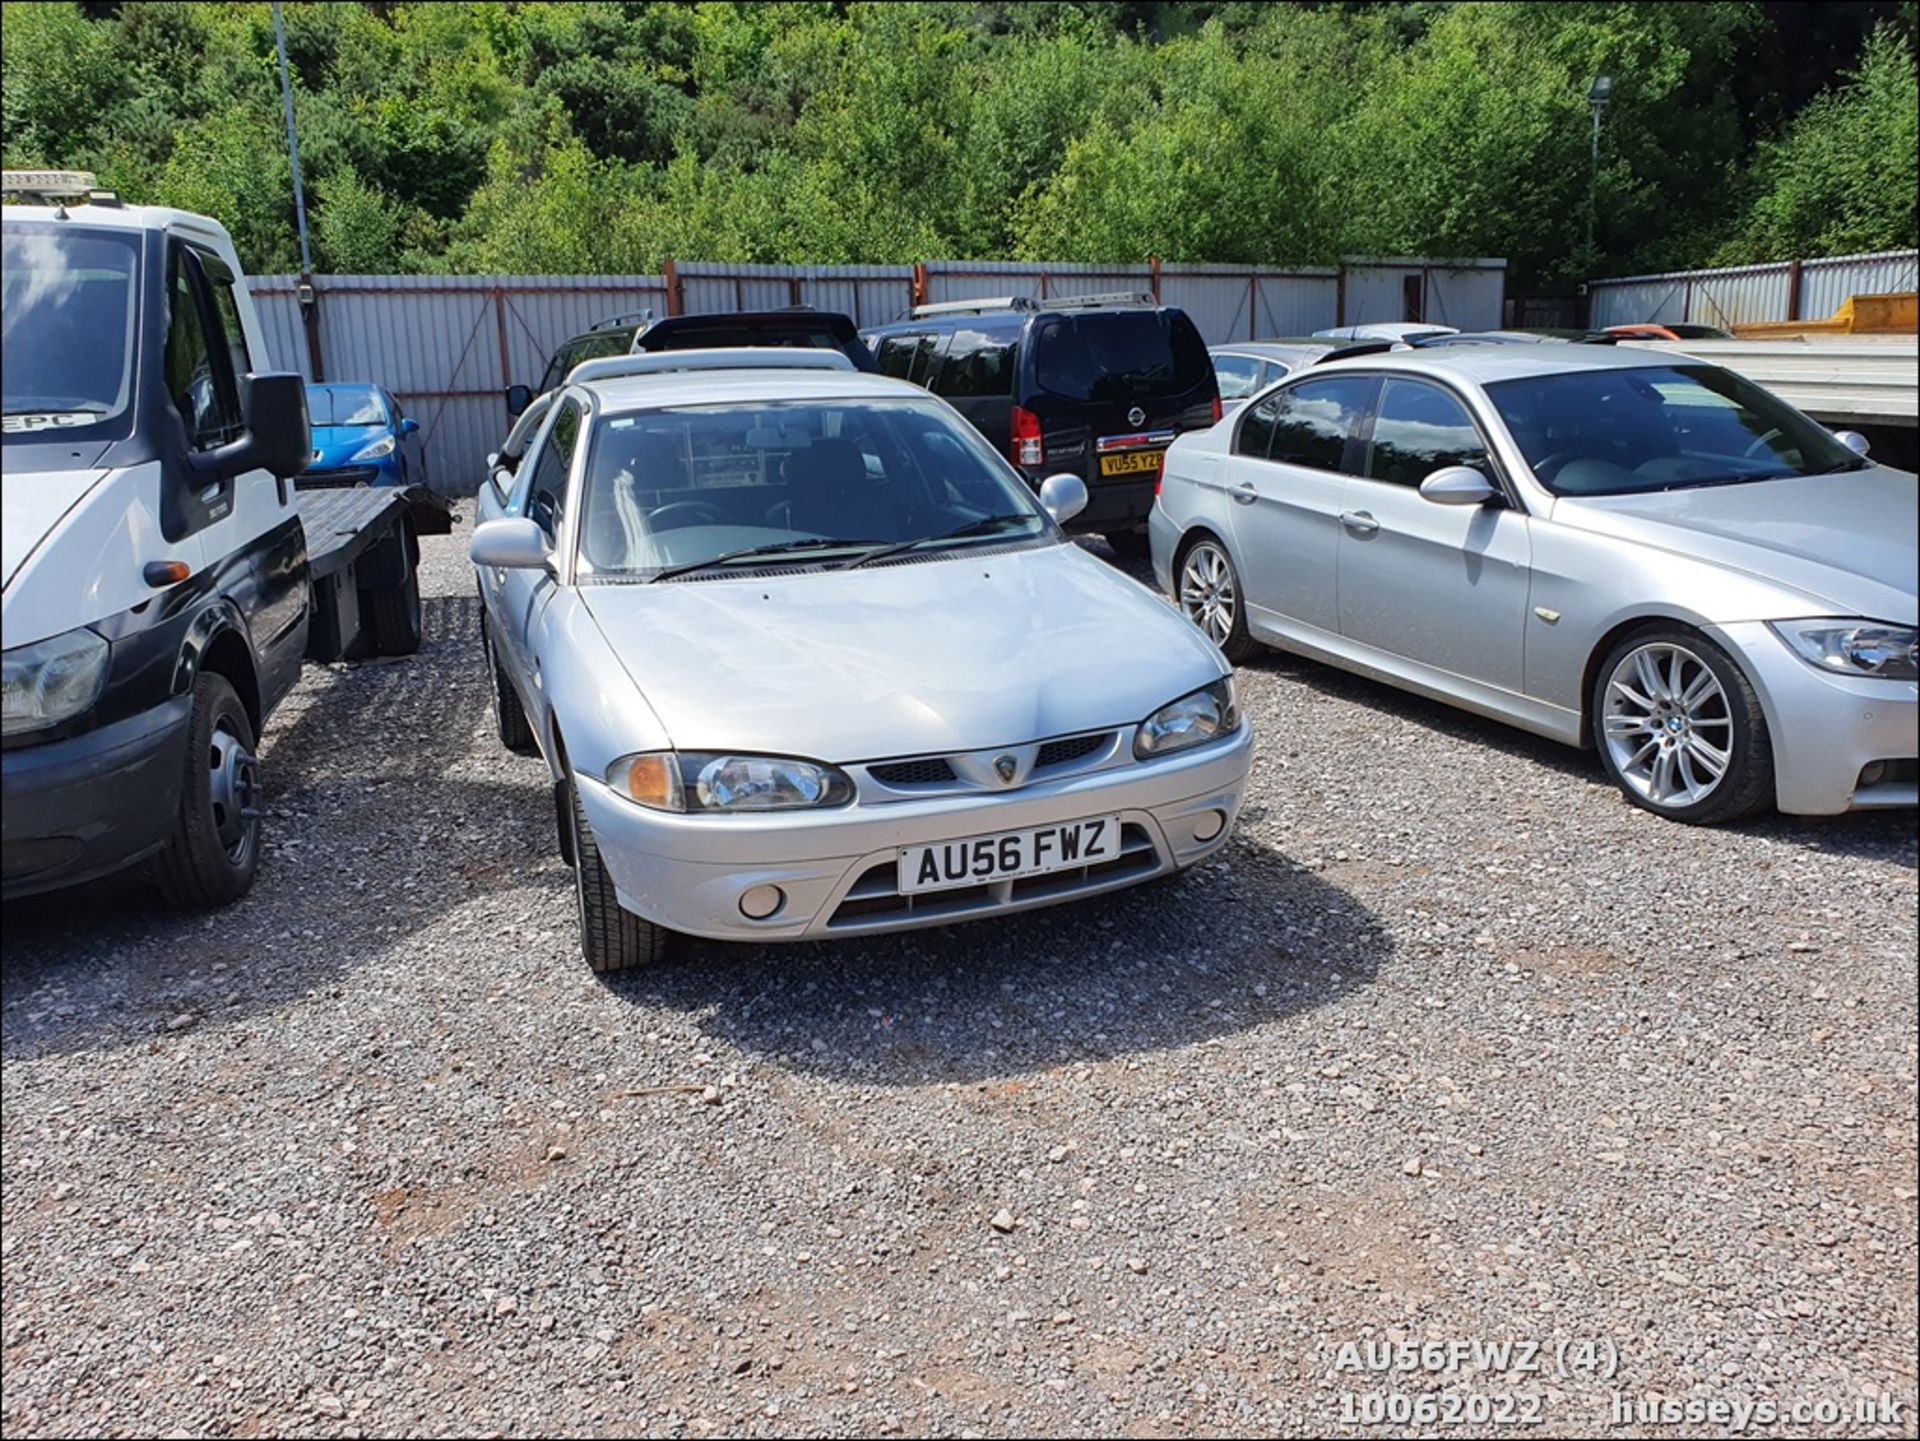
(1668, 725)
(1207, 593)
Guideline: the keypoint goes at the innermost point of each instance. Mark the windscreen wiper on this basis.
(985, 525)
(778, 547)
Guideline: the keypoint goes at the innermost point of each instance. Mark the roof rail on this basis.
(614, 322)
(972, 307)
(739, 357)
(1359, 347)
(1106, 300)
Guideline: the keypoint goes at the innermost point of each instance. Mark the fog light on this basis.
(1872, 773)
(1206, 827)
(761, 902)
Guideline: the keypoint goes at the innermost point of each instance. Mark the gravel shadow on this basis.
(1232, 945)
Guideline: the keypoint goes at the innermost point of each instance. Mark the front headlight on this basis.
(52, 680)
(1190, 721)
(382, 446)
(704, 781)
(1854, 647)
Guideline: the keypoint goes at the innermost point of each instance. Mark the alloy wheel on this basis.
(1207, 592)
(1668, 725)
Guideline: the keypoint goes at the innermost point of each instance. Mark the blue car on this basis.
(360, 437)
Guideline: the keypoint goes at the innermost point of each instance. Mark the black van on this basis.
(1097, 385)
(795, 325)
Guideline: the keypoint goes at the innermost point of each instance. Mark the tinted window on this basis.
(1314, 420)
(547, 501)
(1120, 355)
(1255, 437)
(192, 384)
(1660, 427)
(1420, 428)
(69, 313)
(896, 355)
(975, 365)
(228, 310)
(1239, 375)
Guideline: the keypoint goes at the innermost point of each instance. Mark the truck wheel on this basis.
(612, 937)
(509, 716)
(393, 613)
(215, 848)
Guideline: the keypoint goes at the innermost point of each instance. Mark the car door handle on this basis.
(1244, 493)
(1359, 522)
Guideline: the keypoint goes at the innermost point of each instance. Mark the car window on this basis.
(1618, 431)
(976, 364)
(685, 484)
(1239, 375)
(228, 310)
(62, 282)
(1314, 420)
(198, 390)
(895, 355)
(1255, 435)
(1418, 429)
(552, 468)
(1120, 355)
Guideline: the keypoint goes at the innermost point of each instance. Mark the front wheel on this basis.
(1680, 729)
(1208, 590)
(612, 937)
(211, 857)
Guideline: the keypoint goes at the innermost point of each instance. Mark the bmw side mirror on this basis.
(1457, 485)
(514, 543)
(519, 397)
(1063, 497)
(408, 425)
(1854, 441)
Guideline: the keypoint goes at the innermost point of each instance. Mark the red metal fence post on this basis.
(917, 285)
(1154, 261)
(673, 286)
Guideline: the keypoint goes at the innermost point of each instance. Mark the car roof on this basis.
(1487, 364)
(1274, 349)
(724, 387)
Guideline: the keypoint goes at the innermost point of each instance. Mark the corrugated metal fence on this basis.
(1751, 294)
(448, 346)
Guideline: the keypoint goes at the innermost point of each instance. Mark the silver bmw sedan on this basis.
(806, 658)
(1648, 555)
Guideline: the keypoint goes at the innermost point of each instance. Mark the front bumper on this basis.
(93, 804)
(1825, 728)
(687, 873)
(349, 474)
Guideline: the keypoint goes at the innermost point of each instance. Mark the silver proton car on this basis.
(1654, 557)
(806, 658)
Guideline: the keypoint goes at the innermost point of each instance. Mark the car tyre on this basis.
(393, 613)
(1127, 544)
(1206, 587)
(612, 937)
(213, 852)
(509, 716)
(1680, 730)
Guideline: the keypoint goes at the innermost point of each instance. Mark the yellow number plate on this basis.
(1132, 462)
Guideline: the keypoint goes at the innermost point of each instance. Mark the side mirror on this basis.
(519, 397)
(1457, 485)
(277, 438)
(514, 543)
(408, 425)
(1854, 441)
(1063, 497)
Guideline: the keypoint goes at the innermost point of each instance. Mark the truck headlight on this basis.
(697, 781)
(1190, 721)
(1854, 647)
(380, 447)
(52, 680)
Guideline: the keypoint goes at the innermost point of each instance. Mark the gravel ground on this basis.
(1451, 1043)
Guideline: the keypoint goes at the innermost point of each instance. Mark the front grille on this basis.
(341, 479)
(1059, 753)
(912, 773)
(875, 900)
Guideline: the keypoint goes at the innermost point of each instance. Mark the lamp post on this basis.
(293, 145)
(1598, 94)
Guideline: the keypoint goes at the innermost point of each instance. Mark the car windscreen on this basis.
(1119, 355)
(799, 482)
(723, 332)
(1660, 427)
(343, 405)
(68, 323)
